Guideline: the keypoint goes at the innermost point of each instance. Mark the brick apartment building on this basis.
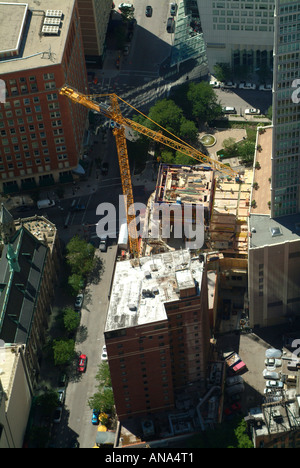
(157, 331)
(41, 132)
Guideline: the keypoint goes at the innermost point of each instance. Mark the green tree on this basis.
(71, 319)
(75, 282)
(167, 114)
(63, 351)
(188, 130)
(102, 400)
(80, 256)
(242, 437)
(231, 146)
(246, 152)
(103, 375)
(184, 159)
(270, 113)
(203, 101)
(222, 71)
(167, 156)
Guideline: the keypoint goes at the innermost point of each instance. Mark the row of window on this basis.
(30, 163)
(15, 87)
(235, 27)
(256, 14)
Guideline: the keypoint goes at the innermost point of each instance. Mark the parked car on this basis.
(272, 363)
(273, 353)
(247, 86)
(270, 375)
(61, 396)
(78, 302)
(215, 84)
(103, 243)
(148, 11)
(252, 111)
(57, 414)
(264, 87)
(63, 380)
(233, 389)
(104, 353)
(229, 85)
(95, 416)
(236, 379)
(125, 6)
(229, 110)
(233, 408)
(170, 25)
(82, 363)
(173, 9)
(274, 384)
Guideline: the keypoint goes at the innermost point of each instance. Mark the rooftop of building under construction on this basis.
(228, 226)
(189, 184)
(140, 290)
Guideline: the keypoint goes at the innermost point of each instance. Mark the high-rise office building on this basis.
(41, 132)
(285, 182)
(238, 32)
(94, 17)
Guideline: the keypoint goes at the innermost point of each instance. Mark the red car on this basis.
(232, 409)
(82, 363)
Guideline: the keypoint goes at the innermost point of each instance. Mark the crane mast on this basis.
(113, 112)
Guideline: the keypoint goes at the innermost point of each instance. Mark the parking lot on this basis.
(251, 348)
(242, 99)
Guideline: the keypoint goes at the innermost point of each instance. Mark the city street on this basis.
(76, 421)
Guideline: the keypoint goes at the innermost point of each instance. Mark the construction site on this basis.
(163, 290)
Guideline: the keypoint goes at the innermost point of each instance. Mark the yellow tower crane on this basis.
(113, 112)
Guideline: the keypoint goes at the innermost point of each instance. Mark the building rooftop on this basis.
(187, 184)
(261, 177)
(228, 228)
(20, 285)
(140, 292)
(32, 35)
(12, 22)
(270, 231)
(43, 229)
(9, 356)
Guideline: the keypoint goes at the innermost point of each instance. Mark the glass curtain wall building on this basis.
(286, 110)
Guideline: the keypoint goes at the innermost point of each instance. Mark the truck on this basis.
(47, 203)
(123, 237)
(234, 363)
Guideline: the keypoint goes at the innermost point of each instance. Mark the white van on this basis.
(45, 203)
